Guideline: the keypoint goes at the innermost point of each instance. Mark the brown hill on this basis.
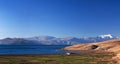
(106, 46)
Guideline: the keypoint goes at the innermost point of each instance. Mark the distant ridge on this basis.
(50, 40)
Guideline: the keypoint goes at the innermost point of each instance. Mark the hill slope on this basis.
(106, 46)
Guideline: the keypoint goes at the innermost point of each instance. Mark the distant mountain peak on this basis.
(106, 36)
(42, 38)
(69, 38)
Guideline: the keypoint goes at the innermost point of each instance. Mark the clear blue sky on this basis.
(60, 18)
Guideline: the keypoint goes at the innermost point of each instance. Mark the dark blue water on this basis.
(31, 49)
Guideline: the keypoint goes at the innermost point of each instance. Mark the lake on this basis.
(31, 49)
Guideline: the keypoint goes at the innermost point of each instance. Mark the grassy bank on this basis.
(57, 59)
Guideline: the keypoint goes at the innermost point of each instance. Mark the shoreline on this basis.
(91, 58)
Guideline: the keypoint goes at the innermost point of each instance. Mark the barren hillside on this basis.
(106, 46)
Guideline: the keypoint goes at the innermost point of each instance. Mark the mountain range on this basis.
(50, 40)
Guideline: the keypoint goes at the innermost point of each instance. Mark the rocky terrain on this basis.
(106, 46)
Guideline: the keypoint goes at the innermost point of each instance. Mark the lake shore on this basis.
(102, 58)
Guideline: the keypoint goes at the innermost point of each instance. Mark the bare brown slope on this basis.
(106, 46)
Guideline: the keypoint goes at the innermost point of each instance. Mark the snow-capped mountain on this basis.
(49, 40)
(106, 36)
(42, 38)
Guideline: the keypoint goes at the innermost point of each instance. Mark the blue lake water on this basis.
(32, 49)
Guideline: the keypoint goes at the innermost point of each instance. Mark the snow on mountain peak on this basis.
(106, 35)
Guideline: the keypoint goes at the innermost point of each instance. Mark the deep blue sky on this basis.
(60, 18)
